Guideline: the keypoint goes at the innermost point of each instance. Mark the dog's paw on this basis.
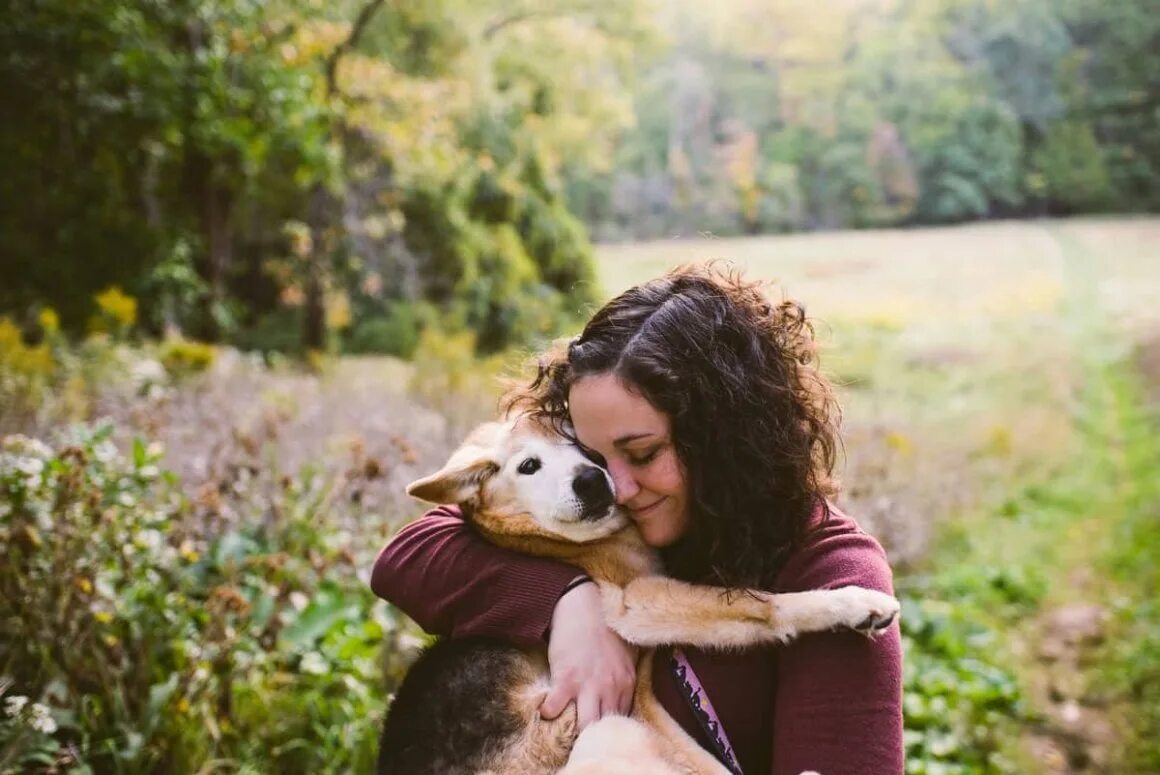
(867, 610)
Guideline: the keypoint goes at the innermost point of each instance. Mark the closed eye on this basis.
(529, 466)
(644, 459)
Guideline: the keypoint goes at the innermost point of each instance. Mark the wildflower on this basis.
(49, 320)
(183, 705)
(42, 720)
(14, 705)
(313, 664)
(188, 553)
(150, 540)
(105, 451)
(29, 465)
(118, 305)
(19, 444)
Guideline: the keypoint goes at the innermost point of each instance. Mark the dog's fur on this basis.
(471, 705)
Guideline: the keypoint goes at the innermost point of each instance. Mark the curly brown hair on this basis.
(754, 422)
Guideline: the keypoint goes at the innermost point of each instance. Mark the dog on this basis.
(471, 705)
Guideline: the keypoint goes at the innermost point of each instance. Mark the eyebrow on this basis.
(620, 442)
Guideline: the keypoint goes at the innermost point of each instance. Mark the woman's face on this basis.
(636, 443)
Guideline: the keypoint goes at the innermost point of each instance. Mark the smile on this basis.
(638, 513)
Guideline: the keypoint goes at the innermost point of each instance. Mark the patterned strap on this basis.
(703, 710)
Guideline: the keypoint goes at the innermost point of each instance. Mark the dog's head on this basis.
(519, 478)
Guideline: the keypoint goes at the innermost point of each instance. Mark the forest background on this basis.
(262, 262)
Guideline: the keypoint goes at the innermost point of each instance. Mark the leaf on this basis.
(326, 610)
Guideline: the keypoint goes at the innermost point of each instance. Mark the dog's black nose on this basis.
(591, 487)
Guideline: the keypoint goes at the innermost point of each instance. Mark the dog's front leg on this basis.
(656, 611)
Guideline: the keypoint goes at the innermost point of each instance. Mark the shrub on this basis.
(26, 371)
(116, 312)
(394, 332)
(278, 331)
(158, 636)
(1072, 165)
(183, 357)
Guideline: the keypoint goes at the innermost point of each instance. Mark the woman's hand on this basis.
(589, 663)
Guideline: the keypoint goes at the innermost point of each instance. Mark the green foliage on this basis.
(1132, 657)
(958, 703)
(1075, 176)
(884, 114)
(394, 333)
(182, 357)
(155, 645)
(278, 331)
(188, 135)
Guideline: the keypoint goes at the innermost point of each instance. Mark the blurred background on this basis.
(263, 263)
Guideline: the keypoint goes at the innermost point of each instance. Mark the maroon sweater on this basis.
(830, 702)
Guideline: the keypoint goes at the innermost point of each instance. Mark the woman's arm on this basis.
(451, 581)
(839, 695)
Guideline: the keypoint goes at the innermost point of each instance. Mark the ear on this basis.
(460, 479)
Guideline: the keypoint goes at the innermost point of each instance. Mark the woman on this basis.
(704, 402)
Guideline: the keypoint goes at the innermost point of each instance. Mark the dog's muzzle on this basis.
(591, 487)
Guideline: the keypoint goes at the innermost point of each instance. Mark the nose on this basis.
(591, 487)
(623, 482)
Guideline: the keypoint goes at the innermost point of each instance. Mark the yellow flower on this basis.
(49, 321)
(104, 617)
(84, 585)
(188, 553)
(117, 306)
(183, 705)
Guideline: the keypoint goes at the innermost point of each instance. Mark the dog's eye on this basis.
(529, 466)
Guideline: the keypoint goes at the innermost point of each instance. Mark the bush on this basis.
(278, 331)
(157, 636)
(183, 357)
(395, 332)
(1072, 165)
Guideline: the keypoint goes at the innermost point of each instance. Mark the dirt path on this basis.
(1076, 730)
(1076, 733)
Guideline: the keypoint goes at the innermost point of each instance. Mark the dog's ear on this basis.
(460, 479)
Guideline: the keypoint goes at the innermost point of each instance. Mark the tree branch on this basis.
(360, 24)
(498, 25)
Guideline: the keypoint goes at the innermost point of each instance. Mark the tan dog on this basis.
(527, 489)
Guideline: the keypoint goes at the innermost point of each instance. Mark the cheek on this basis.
(668, 477)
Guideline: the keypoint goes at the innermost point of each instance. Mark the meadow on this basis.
(186, 589)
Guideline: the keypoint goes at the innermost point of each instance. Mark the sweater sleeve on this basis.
(453, 582)
(838, 708)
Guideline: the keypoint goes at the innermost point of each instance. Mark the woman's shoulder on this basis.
(836, 552)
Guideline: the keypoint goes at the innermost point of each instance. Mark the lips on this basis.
(644, 512)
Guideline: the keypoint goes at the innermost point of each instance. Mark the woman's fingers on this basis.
(553, 705)
(589, 662)
(587, 709)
